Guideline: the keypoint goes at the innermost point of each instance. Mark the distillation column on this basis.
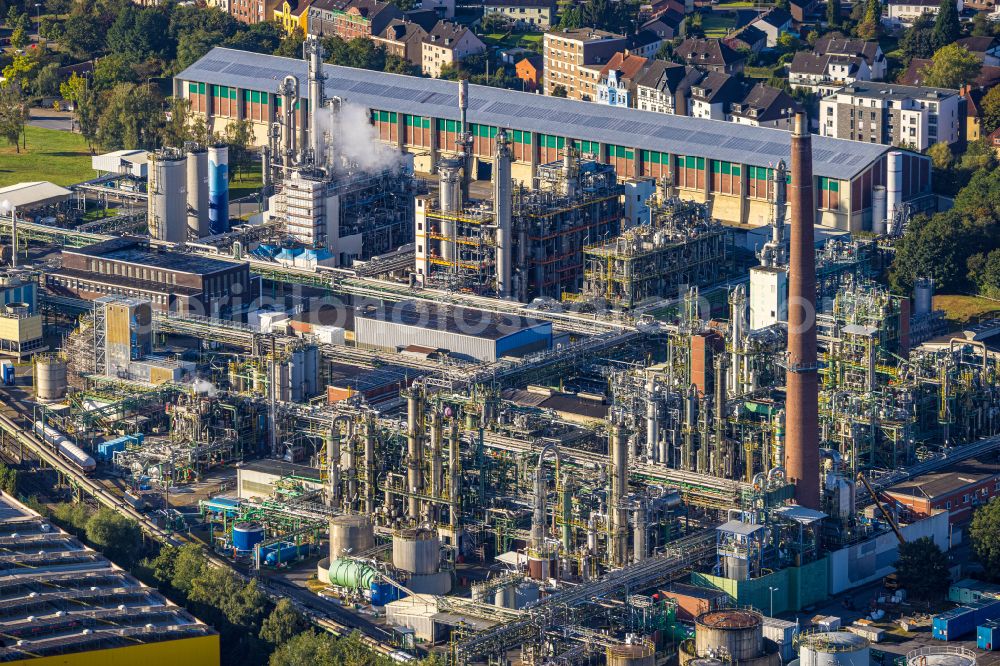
(314, 55)
(450, 199)
(414, 448)
(619, 488)
(502, 210)
(289, 91)
(466, 138)
(801, 412)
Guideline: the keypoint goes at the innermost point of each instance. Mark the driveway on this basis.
(51, 119)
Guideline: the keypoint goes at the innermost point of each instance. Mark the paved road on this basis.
(51, 119)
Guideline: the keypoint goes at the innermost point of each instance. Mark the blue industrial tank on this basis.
(283, 552)
(218, 189)
(247, 535)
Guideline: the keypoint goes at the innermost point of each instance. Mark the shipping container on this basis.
(954, 624)
(692, 600)
(7, 372)
(986, 609)
(987, 635)
(969, 590)
(782, 632)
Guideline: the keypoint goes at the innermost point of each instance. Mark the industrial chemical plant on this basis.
(555, 411)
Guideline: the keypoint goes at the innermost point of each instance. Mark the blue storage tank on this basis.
(218, 189)
(383, 593)
(986, 609)
(987, 635)
(954, 624)
(247, 535)
(283, 552)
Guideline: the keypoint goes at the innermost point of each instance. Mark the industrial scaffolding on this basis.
(682, 246)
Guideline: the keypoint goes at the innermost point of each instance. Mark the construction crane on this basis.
(885, 513)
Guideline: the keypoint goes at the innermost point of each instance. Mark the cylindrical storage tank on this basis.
(417, 551)
(218, 189)
(505, 597)
(197, 192)
(247, 535)
(50, 378)
(894, 186)
(634, 654)
(525, 593)
(945, 655)
(350, 535)
(878, 210)
(923, 295)
(736, 567)
(352, 574)
(17, 310)
(738, 631)
(167, 208)
(834, 648)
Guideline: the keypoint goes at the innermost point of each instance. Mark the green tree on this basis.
(923, 569)
(116, 536)
(870, 26)
(946, 26)
(990, 106)
(83, 36)
(291, 45)
(13, 114)
(940, 154)
(952, 67)
(86, 105)
(833, 14)
(283, 623)
(918, 39)
(132, 118)
(981, 26)
(9, 476)
(72, 517)
(188, 565)
(264, 37)
(239, 136)
(559, 91)
(19, 38)
(22, 70)
(938, 247)
(307, 648)
(984, 532)
(162, 567)
(139, 33)
(177, 129)
(984, 272)
(111, 70)
(193, 45)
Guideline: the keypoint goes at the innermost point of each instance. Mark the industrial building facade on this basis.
(173, 282)
(706, 161)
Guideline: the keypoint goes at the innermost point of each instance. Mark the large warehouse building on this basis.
(66, 605)
(704, 160)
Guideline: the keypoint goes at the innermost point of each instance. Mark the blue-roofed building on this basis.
(705, 160)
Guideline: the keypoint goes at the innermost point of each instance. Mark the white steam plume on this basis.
(355, 142)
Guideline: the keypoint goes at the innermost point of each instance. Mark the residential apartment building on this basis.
(348, 19)
(826, 74)
(773, 23)
(892, 114)
(836, 44)
(529, 70)
(447, 44)
(404, 39)
(765, 106)
(665, 87)
(712, 96)
(905, 12)
(566, 52)
(292, 14)
(251, 11)
(616, 86)
(524, 14)
(711, 55)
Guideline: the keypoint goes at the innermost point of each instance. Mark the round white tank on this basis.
(50, 378)
(350, 535)
(417, 551)
(834, 648)
(167, 211)
(879, 203)
(945, 655)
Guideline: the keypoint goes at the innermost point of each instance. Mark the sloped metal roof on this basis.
(682, 135)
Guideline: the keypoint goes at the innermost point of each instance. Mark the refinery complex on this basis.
(499, 380)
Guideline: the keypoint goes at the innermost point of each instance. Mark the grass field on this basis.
(525, 40)
(59, 157)
(962, 310)
(717, 26)
(763, 73)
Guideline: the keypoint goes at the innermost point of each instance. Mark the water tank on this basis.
(303, 371)
(923, 295)
(739, 632)
(634, 654)
(197, 192)
(350, 535)
(218, 189)
(945, 655)
(167, 210)
(50, 378)
(505, 597)
(834, 648)
(247, 535)
(417, 551)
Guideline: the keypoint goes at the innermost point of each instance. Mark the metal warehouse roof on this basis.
(714, 139)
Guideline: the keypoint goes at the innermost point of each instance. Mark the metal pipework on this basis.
(289, 91)
(313, 54)
(802, 411)
(538, 513)
(502, 211)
